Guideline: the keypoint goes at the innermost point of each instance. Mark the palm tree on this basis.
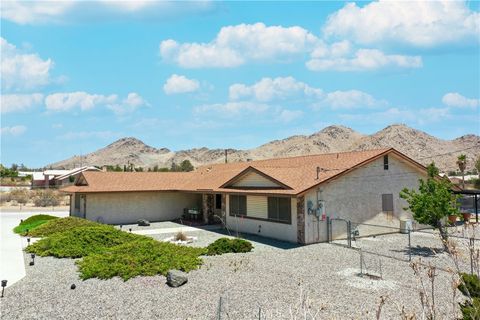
(462, 165)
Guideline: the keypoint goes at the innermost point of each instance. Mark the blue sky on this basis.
(78, 75)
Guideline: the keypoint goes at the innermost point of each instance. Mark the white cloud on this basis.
(268, 89)
(22, 71)
(180, 84)
(362, 60)
(13, 131)
(129, 104)
(417, 23)
(351, 99)
(85, 101)
(290, 90)
(289, 115)
(454, 99)
(77, 100)
(235, 45)
(19, 102)
(68, 11)
(231, 109)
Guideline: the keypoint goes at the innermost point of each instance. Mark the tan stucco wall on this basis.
(357, 197)
(258, 207)
(128, 207)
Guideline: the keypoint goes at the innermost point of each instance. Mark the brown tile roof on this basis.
(298, 173)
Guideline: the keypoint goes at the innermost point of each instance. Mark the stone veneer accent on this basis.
(224, 207)
(208, 205)
(301, 220)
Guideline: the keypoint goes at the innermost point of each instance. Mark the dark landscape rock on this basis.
(176, 278)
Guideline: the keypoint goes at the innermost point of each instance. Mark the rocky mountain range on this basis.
(415, 143)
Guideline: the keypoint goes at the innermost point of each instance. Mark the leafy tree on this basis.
(186, 166)
(462, 165)
(155, 168)
(174, 167)
(433, 201)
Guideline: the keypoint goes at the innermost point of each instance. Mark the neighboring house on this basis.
(68, 178)
(287, 199)
(57, 178)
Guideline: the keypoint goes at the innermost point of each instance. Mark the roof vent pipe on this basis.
(318, 172)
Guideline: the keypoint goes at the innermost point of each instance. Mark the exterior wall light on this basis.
(4, 284)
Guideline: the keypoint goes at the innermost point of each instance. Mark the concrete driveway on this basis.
(12, 266)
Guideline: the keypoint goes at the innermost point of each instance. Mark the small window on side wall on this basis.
(385, 162)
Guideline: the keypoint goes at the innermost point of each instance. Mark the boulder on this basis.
(143, 223)
(176, 278)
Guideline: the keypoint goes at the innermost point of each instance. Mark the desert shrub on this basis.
(141, 257)
(20, 195)
(46, 198)
(60, 225)
(81, 241)
(470, 287)
(5, 197)
(32, 223)
(180, 236)
(226, 245)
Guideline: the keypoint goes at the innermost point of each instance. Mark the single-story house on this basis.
(69, 177)
(56, 177)
(286, 198)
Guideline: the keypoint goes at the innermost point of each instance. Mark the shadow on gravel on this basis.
(421, 251)
(262, 240)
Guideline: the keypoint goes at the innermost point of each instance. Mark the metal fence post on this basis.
(328, 229)
(219, 311)
(472, 249)
(361, 262)
(409, 245)
(349, 233)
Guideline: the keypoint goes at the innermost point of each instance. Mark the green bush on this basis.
(226, 245)
(141, 257)
(60, 225)
(80, 241)
(470, 287)
(476, 183)
(471, 283)
(33, 222)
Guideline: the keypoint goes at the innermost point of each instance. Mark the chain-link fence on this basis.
(408, 243)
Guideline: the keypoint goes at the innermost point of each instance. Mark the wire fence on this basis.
(405, 244)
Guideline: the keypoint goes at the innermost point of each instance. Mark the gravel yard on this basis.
(273, 277)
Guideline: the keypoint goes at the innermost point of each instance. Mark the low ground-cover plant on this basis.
(81, 241)
(32, 223)
(226, 245)
(141, 257)
(60, 225)
(470, 287)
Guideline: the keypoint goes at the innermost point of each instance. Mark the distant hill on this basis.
(414, 143)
